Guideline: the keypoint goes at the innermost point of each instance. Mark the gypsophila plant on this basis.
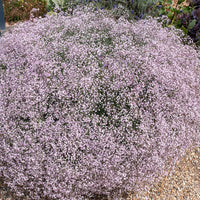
(93, 106)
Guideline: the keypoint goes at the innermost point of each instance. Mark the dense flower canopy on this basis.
(91, 105)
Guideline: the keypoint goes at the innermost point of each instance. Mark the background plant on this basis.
(136, 8)
(185, 18)
(190, 24)
(132, 10)
(94, 106)
(15, 10)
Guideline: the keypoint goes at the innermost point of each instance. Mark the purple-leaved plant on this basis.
(93, 106)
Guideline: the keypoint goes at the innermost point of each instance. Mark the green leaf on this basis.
(192, 24)
(184, 30)
(173, 9)
(170, 15)
(161, 1)
(3, 66)
(186, 10)
(162, 12)
(180, 1)
(177, 11)
(169, 2)
(178, 24)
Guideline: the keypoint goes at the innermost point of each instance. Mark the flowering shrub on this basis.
(93, 106)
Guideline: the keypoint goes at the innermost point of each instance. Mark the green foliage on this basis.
(141, 7)
(3, 66)
(176, 17)
(164, 7)
(192, 24)
(184, 29)
(135, 8)
(50, 5)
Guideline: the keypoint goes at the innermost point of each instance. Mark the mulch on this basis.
(183, 184)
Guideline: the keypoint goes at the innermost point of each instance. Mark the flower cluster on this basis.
(90, 105)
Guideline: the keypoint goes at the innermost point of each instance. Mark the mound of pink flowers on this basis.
(93, 106)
